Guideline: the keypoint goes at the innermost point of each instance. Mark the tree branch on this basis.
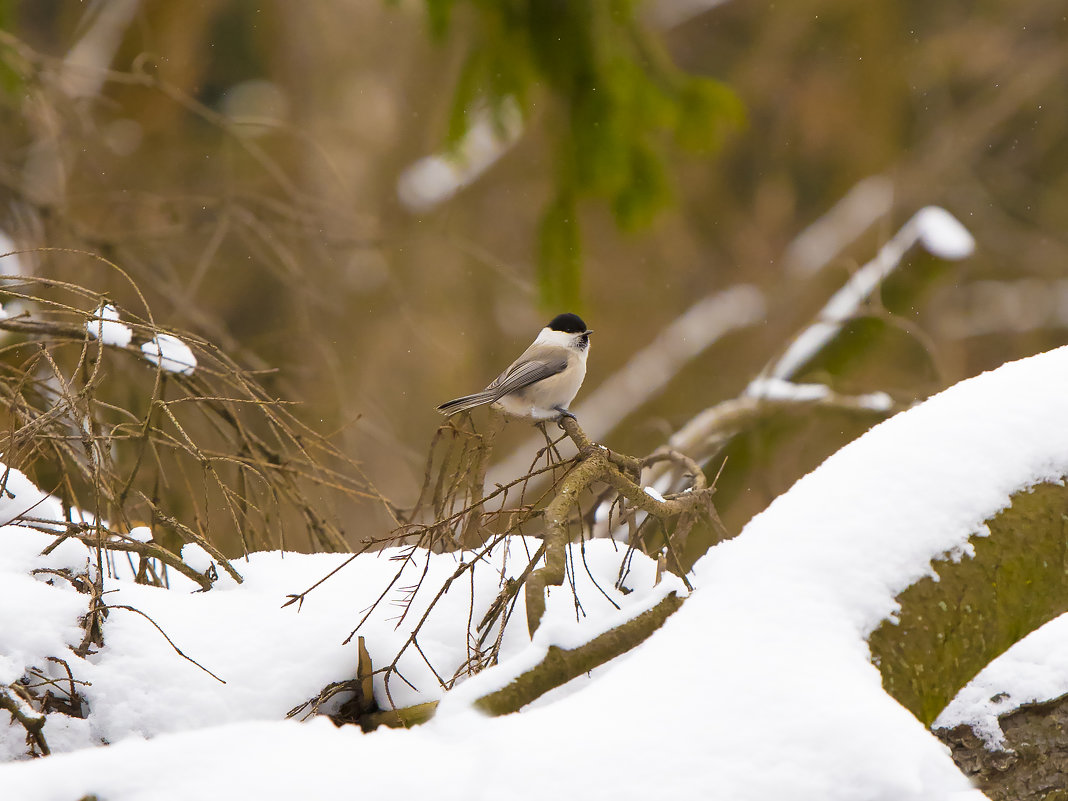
(621, 472)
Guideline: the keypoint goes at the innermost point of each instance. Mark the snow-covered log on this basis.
(952, 624)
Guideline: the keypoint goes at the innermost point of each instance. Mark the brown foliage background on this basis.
(240, 162)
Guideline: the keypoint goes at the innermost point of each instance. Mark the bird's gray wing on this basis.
(524, 373)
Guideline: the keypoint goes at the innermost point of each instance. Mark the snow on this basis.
(10, 261)
(434, 179)
(943, 235)
(170, 353)
(1034, 669)
(272, 658)
(930, 476)
(106, 327)
(19, 497)
(36, 619)
(780, 389)
(760, 687)
(140, 534)
(654, 493)
(876, 401)
(197, 558)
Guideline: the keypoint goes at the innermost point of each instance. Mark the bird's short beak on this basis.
(588, 332)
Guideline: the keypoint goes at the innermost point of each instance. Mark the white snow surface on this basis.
(20, 498)
(273, 658)
(759, 688)
(170, 353)
(106, 327)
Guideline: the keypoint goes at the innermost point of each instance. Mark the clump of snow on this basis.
(170, 353)
(943, 234)
(783, 390)
(37, 618)
(197, 558)
(140, 534)
(10, 261)
(1034, 669)
(106, 327)
(654, 493)
(876, 401)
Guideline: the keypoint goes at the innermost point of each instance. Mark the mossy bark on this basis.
(949, 629)
(559, 666)
(562, 665)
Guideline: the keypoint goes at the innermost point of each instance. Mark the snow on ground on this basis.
(759, 688)
(271, 658)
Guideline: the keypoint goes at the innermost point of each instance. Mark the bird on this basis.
(541, 383)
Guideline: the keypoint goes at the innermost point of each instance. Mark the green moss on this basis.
(560, 665)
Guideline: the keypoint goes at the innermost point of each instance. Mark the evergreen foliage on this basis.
(617, 101)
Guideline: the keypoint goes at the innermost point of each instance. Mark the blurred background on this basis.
(381, 203)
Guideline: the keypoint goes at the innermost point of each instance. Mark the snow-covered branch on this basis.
(774, 390)
(935, 228)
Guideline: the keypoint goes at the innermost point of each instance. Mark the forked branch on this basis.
(622, 473)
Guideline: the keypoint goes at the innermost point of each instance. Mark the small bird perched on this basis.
(542, 382)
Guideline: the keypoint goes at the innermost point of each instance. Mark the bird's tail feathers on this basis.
(467, 402)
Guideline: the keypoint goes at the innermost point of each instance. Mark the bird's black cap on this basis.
(568, 323)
